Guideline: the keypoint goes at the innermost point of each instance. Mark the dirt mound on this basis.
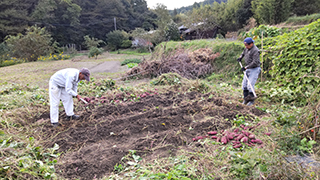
(154, 126)
(189, 65)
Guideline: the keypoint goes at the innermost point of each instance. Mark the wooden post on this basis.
(262, 56)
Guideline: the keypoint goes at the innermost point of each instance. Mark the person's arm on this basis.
(69, 85)
(255, 59)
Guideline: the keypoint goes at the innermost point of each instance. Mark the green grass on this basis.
(130, 52)
(301, 20)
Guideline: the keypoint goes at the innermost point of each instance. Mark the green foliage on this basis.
(35, 43)
(131, 65)
(172, 32)
(92, 42)
(244, 164)
(26, 159)
(295, 58)
(116, 38)
(268, 31)
(95, 52)
(127, 61)
(306, 146)
(297, 20)
(271, 11)
(126, 44)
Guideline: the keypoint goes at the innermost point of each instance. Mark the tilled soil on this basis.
(154, 126)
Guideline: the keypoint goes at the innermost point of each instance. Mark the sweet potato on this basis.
(245, 128)
(214, 137)
(237, 146)
(194, 139)
(230, 137)
(244, 139)
(240, 137)
(224, 140)
(268, 133)
(252, 136)
(212, 132)
(218, 139)
(236, 130)
(258, 141)
(200, 137)
(236, 135)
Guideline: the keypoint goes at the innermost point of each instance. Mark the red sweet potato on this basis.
(200, 137)
(212, 132)
(244, 139)
(252, 136)
(214, 137)
(194, 139)
(230, 137)
(236, 130)
(224, 140)
(258, 141)
(245, 128)
(268, 133)
(240, 137)
(218, 139)
(237, 146)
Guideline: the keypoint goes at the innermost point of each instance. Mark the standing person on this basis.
(63, 86)
(252, 69)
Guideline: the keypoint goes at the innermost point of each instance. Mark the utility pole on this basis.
(115, 23)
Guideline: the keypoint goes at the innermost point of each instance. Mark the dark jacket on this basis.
(251, 57)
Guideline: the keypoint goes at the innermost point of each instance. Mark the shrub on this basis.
(172, 32)
(36, 42)
(127, 61)
(131, 65)
(126, 44)
(92, 42)
(116, 38)
(296, 20)
(95, 52)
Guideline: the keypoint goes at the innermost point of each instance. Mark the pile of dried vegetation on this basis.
(190, 65)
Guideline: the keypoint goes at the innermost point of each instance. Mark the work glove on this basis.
(239, 59)
(243, 69)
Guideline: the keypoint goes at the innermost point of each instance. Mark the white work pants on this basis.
(55, 94)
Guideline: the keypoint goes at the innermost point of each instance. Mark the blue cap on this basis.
(248, 40)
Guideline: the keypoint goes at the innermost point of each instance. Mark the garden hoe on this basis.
(249, 98)
(89, 105)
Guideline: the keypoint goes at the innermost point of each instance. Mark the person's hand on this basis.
(239, 59)
(243, 69)
(78, 97)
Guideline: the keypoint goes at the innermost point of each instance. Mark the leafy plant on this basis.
(35, 43)
(95, 52)
(27, 160)
(131, 65)
(306, 146)
(127, 61)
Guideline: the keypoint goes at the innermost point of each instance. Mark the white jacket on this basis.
(68, 79)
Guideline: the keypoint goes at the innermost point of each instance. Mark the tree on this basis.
(304, 7)
(35, 43)
(244, 13)
(116, 38)
(14, 17)
(92, 42)
(172, 32)
(271, 11)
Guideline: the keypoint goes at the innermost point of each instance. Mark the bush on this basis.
(92, 42)
(95, 52)
(172, 32)
(126, 44)
(116, 38)
(127, 61)
(35, 43)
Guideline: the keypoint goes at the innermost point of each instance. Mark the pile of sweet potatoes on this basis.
(237, 137)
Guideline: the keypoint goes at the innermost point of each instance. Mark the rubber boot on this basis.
(252, 98)
(245, 94)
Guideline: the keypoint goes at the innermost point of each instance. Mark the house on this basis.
(198, 33)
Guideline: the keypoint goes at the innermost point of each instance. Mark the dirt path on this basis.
(108, 66)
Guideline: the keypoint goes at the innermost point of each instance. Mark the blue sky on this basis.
(171, 4)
